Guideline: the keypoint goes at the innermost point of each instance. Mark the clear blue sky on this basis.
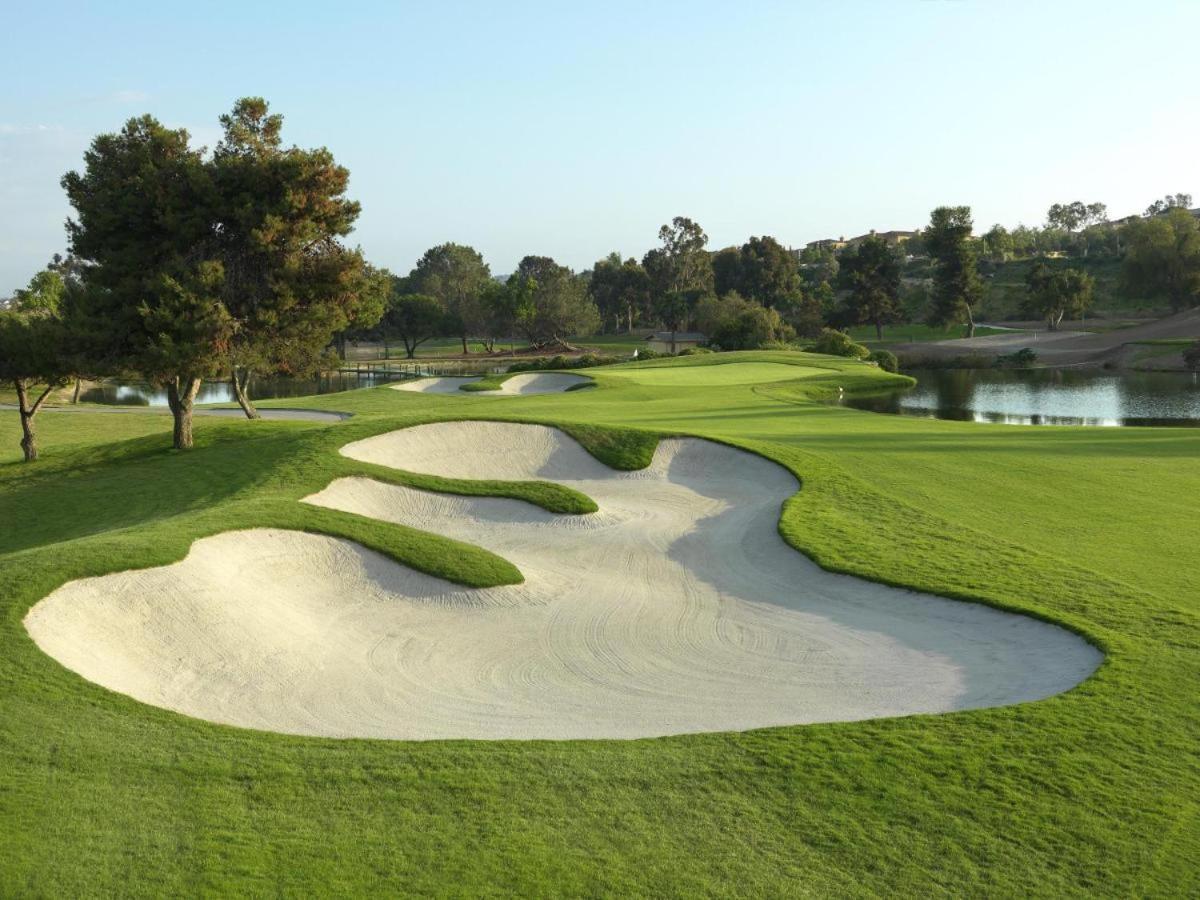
(575, 129)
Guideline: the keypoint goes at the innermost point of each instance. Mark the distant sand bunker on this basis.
(676, 608)
(446, 385)
(515, 386)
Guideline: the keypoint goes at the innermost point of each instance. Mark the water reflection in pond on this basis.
(1045, 397)
(137, 394)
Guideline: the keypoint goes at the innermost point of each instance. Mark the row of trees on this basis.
(451, 293)
(741, 295)
(186, 265)
(1072, 229)
(749, 294)
(1160, 254)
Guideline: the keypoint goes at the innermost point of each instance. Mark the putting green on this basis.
(715, 375)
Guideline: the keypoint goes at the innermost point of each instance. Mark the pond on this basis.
(1045, 397)
(140, 394)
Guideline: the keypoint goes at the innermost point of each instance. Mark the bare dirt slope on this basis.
(1065, 347)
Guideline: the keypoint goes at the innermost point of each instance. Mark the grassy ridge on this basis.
(555, 498)
(1089, 793)
(486, 383)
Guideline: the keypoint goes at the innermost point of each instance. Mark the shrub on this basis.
(587, 361)
(885, 359)
(838, 343)
(694, 351)
(1191, 357)
(751, 327)
(1022, 359)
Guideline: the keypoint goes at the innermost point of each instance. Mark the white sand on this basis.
(516, 386)
(449, 384)
(537, 383)
(676, 608)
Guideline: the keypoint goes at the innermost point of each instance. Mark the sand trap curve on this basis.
(676, 608)
(449, 384)
(520, 385)
(537, 383)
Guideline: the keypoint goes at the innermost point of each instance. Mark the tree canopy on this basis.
(45, 292)
(457, 276)
(620, 289)
(733, 322)
(1163, 258)
(761, 269)
(414, 318)
(1052, 294)
(191, 267)
(956, 285)
(870, 273)
(679, 271)
(33, 350)
(549, 303)
(1167, 203)
(1075, 215)
(279, 213)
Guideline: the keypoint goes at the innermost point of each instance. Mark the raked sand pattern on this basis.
(676, 608)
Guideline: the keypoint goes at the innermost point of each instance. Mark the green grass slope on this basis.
(1093, 792)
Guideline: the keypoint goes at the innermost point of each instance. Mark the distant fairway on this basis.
(715, 375)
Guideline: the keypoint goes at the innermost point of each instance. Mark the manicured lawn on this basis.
(711, 376)
(615, 344)
(1093, 792)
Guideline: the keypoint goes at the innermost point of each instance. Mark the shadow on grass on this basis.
(132, 482)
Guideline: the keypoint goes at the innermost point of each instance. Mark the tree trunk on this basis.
(970, 321)
(181, 397)
(29, 445)
(75, 396)
(878, 330)
(464, 343)
(241, 391)
(28, 437)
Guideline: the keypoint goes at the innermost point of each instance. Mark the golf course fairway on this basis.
(1089, 532)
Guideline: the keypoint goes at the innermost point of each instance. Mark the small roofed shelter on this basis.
(674, 341)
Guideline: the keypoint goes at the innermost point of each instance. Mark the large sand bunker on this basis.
(514, 386)
(676, 608)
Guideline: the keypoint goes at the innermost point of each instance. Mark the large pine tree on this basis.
(956, 285)
(196, 267)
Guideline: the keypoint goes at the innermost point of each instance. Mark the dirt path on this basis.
(1059, 348)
